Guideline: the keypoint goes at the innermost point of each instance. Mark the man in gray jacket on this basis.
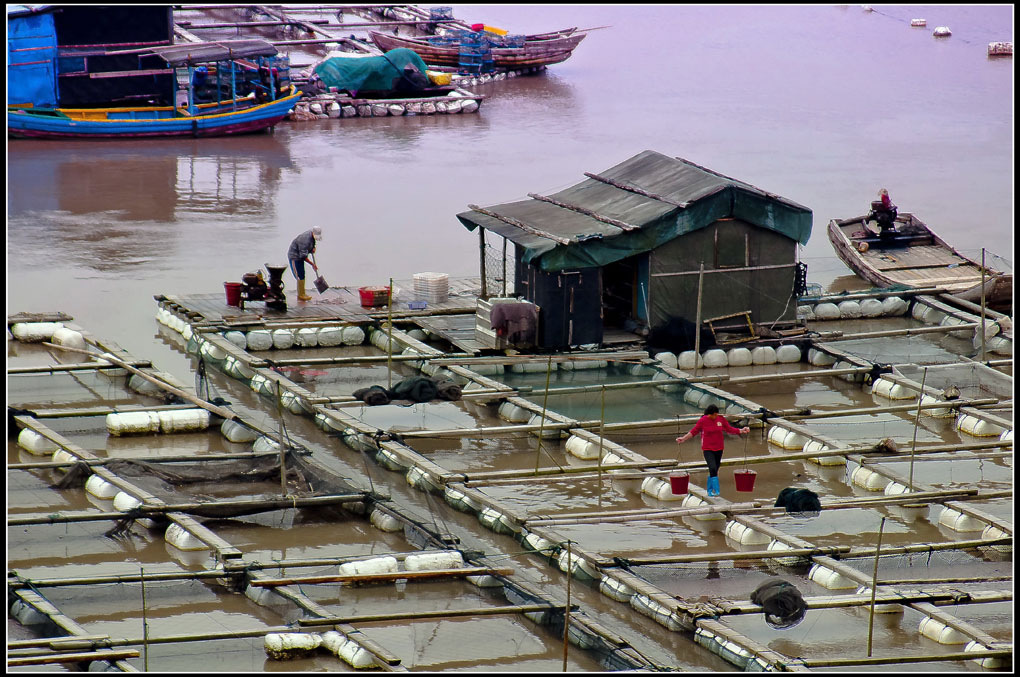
(301, 248)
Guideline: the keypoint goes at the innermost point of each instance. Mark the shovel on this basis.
(320, 283)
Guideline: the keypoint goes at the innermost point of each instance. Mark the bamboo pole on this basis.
(442, 613)
(146, 510)
(874, 586)
(484, 292)
(566, 612)
(935, 329)
(219, 411)
(55, 643)
(559, 474)
(913, 443)
(15, 662)
(982, 330)
(98, 462)
(382, 577)
(79, 366)
(731, 556)
(541, 427)
(145, 622)
(901, 660)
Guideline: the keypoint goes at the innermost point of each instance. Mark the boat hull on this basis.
(534, 52)
(26, 125)
(919, 258)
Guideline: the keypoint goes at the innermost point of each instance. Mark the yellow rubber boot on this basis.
(301, 295)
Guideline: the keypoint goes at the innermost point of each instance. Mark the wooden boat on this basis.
(238, 66)
(240, 116)
(915, 256)
(543, 50)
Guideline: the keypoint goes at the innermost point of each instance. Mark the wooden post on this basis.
(504, 269)
(697, 321)
(541, 425)
(982, 330)
(874, 586)
(145, 622)
(566, 611)
(484, 294)
(389, 343)
(917, 418)
(283, 447)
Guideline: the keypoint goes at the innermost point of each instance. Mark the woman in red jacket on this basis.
(712, 427)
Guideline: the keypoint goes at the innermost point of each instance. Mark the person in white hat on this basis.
(301, 248)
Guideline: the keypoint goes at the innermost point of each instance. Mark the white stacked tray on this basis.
(432, 287)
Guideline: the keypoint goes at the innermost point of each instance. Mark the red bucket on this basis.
(373, 297)
(744, 479)
(678, 482)
(233, 293)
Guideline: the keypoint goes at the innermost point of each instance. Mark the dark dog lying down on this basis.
(798, 500)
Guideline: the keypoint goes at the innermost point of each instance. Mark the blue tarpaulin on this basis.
(31, 52)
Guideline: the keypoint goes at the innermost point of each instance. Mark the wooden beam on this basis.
(49, 659)
(443, 613)
(616, 223)
(387, 577)
(630, 188)
(518, 224)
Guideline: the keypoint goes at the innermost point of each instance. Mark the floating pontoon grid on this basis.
(957, 510)
(33, 590)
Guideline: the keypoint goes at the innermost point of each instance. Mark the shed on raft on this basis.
(624, 249)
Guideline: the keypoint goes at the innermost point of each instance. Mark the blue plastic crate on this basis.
(514, 40)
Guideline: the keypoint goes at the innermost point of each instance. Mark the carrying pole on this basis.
(541, 425)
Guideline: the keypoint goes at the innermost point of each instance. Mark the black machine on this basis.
(886, 219)
(255, 288)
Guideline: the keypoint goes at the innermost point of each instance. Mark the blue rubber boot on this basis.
(713, 486)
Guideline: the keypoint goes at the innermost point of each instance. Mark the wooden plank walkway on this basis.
(337, 305)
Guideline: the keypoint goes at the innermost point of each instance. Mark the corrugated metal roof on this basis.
(204, 52)
(652, 192)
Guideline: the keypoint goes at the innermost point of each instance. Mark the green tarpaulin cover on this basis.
(371, 73)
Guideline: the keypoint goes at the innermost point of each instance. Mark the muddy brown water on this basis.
(805, 125)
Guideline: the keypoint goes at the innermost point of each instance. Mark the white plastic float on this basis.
(283, 339)
(940, 632)
(69, 338)
(283, 646)
(34, 443)
(238, 432)
(830, 579)
(238, 338)
(383, 521)
(183, 420)
(259, 339)
(692, 501)
(819, 358)
(958, 521)
(815, 445)
(942, 32)
(976, 427)
(868, 479)
(180, 538)
(891, 390)
(918, 23)
(779, 546)
(660, 489)
(100, 488)
(656, 611)
(432, 561)
(367, 567)
(715, 358)
(785, 438)
(739, 357)
(744, 535)
(880, 608)
(763, 355)
(545, 433)
(667, 358)
(827, 311)
(849, 310)
(498, 522)
(352, 335)
(615, 589)
(133, 423)
(690, 360)
(788, 354)
(306, 338)
(34, 332)
(993, 663)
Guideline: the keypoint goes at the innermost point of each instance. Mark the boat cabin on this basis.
(636, 247)
(84, 57)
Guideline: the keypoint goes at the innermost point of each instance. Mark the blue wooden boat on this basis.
(236, 116)
(106, 72)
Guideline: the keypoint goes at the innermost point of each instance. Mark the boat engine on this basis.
(255, 288)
